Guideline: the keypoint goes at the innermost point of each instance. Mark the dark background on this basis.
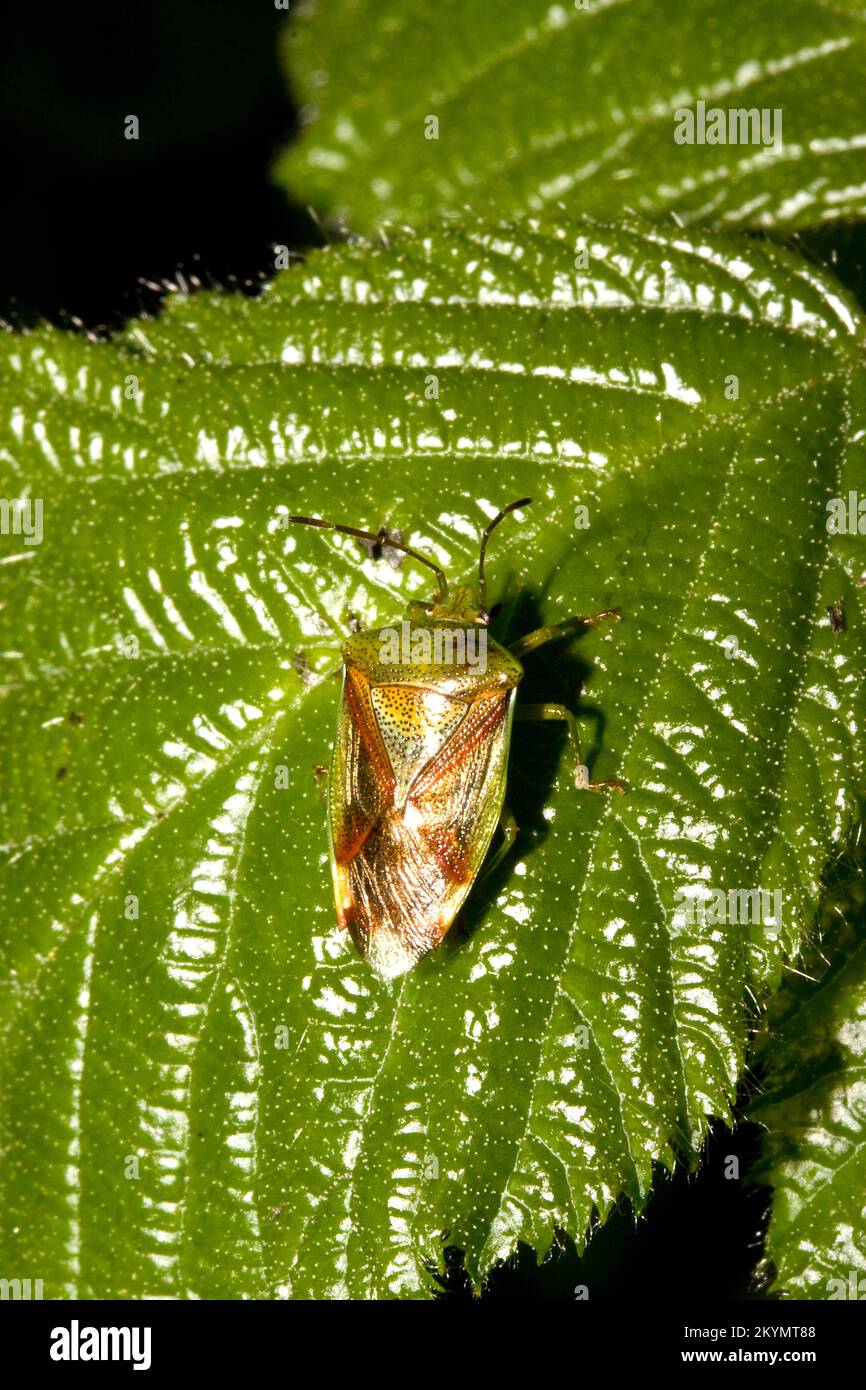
(94, 226)
(93, 220)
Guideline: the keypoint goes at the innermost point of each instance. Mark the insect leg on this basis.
(549, 634)
(565, 716)
(321, 774)
(508, 826)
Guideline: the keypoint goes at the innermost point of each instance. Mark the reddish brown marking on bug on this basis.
(358, 700)
(450, 855)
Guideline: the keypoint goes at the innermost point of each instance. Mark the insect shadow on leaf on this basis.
(555, 674)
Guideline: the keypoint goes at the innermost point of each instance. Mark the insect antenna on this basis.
(378, 539)
(485, 537)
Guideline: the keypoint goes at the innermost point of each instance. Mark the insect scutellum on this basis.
(456, 605)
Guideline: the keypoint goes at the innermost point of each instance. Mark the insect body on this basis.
(417, 782)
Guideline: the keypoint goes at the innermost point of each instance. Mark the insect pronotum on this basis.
(417, 782)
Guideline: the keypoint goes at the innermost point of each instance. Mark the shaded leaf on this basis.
(813, 1104)
(540, 106)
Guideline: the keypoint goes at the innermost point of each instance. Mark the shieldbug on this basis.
(417, 783)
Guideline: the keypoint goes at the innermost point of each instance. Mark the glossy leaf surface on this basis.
(209, 1092)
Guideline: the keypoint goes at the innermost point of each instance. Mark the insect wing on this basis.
(362, 782)
(416, 792)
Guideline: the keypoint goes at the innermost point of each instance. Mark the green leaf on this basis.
(813, 1104)
(542, 106)
(177, 990)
